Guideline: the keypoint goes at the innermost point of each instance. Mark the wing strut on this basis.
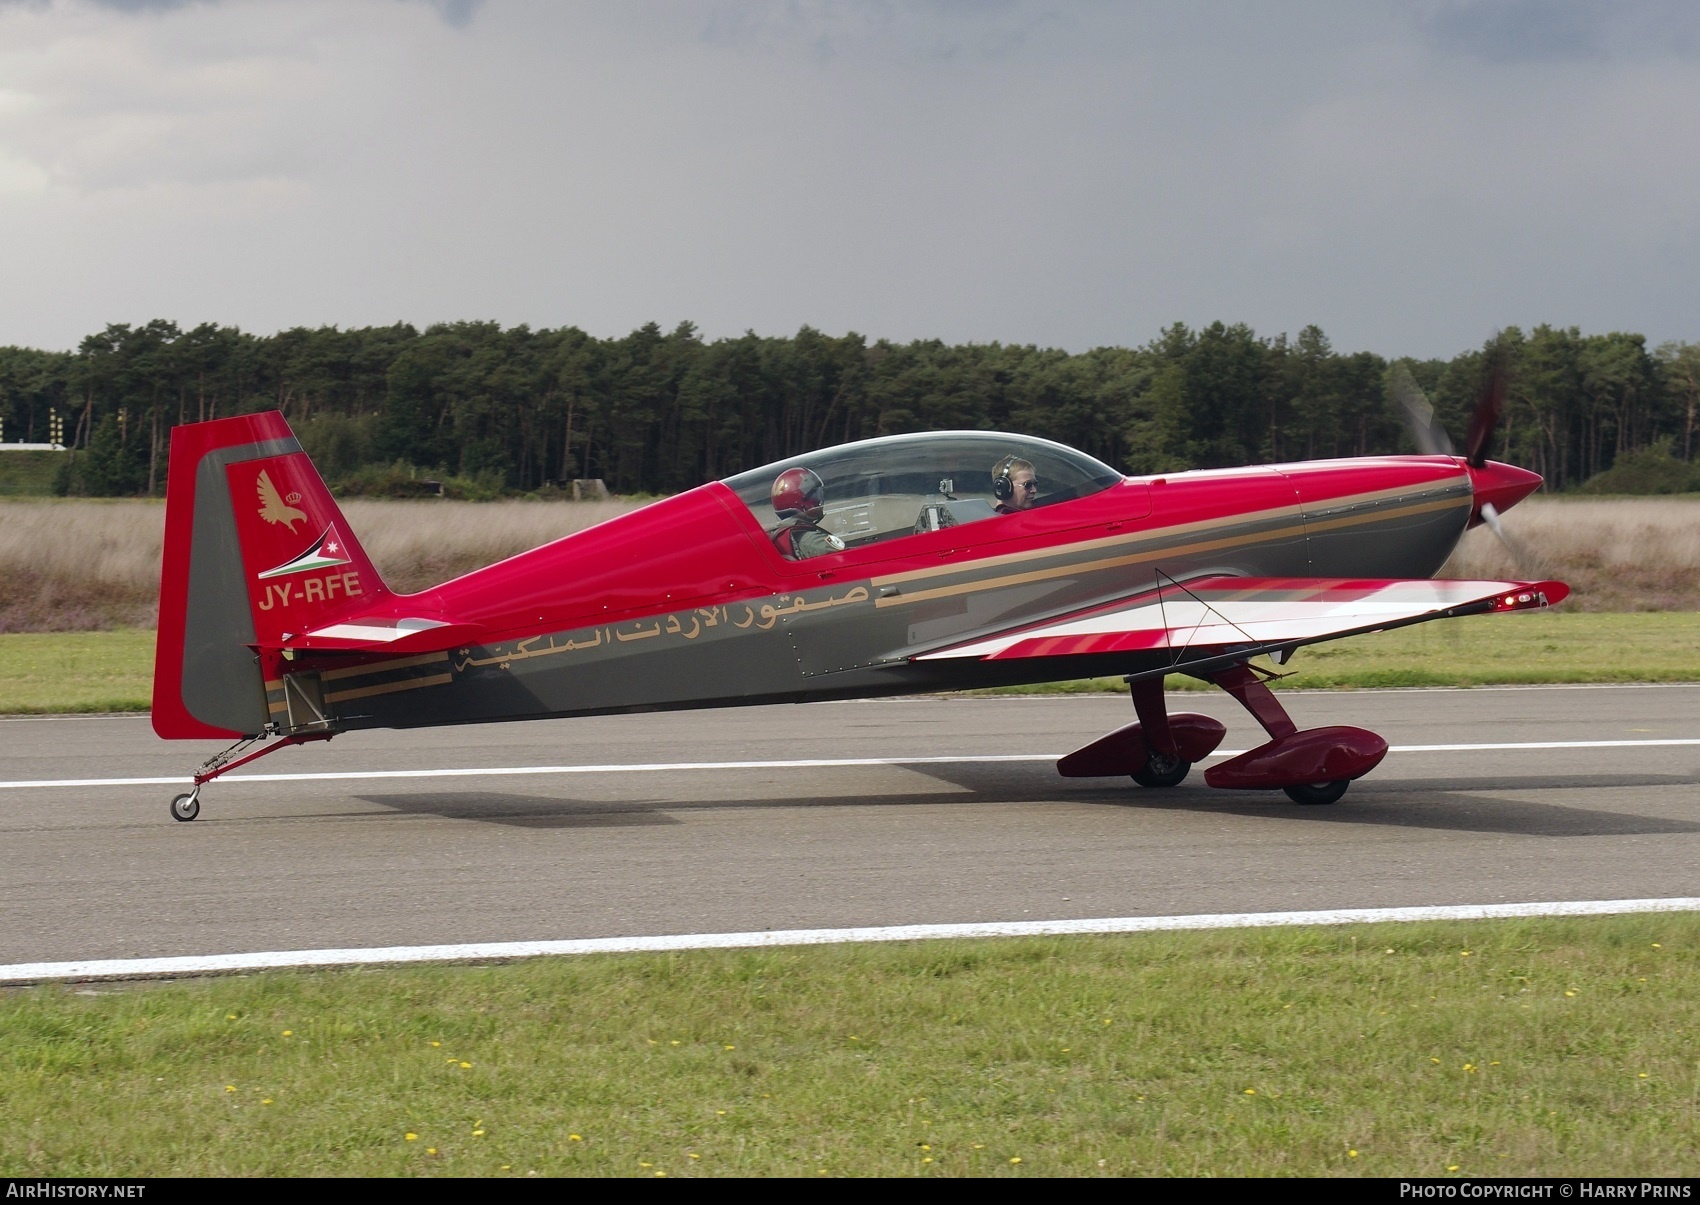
(1163, 580)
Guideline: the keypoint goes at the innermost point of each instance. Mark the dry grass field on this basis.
(1618, 554)
(82, 565)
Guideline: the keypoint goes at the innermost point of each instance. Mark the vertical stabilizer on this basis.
(256, 551)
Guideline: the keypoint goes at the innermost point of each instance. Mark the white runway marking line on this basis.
(1001, 700)
(820, 763)
(129, 968)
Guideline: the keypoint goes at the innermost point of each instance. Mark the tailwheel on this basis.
(1317, 792)
(188, 806)
(1161, 770)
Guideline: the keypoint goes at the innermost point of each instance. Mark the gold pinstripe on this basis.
(388, 688)
(1150, 554)
(382, 667)
(1397, 513)
(1123, 540)
(279, 703)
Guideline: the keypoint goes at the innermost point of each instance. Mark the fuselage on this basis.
(688, 602)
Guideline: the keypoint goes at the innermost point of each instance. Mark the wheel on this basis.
(186, 807)
(1161, 770)
(1317, 792)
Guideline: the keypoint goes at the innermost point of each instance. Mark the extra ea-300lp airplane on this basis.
(911, 563)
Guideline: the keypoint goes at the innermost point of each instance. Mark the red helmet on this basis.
(798, 492)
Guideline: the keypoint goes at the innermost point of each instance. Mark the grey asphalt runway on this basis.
(103, 872)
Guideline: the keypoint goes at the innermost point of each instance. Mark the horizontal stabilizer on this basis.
(387, 634)
(1222, 612)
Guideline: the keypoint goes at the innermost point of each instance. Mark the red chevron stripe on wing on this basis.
(1225, 611)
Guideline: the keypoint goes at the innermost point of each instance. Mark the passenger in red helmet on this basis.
(797, 495)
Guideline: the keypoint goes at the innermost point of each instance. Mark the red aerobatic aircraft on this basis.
(892, 566)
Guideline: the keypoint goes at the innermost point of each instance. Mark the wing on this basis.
(1205, 618)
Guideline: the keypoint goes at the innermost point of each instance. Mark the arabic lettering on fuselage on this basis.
(686, 625)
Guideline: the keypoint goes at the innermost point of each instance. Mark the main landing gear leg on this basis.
(1348, 752)
(188, 805)
(1242, 682)
(1164, 766)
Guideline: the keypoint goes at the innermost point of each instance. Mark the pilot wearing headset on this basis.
(1015, 485)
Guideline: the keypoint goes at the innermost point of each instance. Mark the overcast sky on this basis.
(1407, 175)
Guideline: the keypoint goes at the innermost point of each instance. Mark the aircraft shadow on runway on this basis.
(1460, 804)
(1457, 804)
(526, 811)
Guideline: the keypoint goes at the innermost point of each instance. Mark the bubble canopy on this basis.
(879, 489)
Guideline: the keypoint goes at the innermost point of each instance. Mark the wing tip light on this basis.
(1531, 596)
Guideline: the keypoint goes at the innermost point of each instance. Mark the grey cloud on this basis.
(1513, 31)
(938, 30)
(147, 6)
(1027, 170)
(457, 13)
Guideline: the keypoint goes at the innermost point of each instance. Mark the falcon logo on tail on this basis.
(273, 509)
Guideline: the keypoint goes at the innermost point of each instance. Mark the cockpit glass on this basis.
(880, 489)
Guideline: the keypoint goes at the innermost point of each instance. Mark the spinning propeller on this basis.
(1490, 479)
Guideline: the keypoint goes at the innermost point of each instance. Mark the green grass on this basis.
(1488, 650)
(1498, 649)
(113, 671)
(29, 473)
(1503, 1048)
(50, 672)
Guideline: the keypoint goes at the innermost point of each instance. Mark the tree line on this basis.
(654, 411)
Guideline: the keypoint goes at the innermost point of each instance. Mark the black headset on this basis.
(1003, 489)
